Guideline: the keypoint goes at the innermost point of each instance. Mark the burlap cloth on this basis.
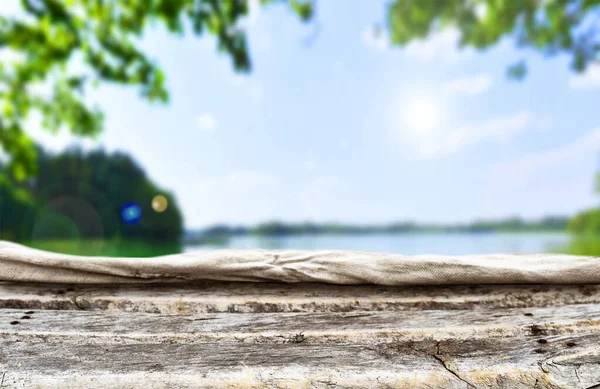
(22, 264)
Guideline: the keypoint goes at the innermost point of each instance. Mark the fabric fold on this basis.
(22, 264)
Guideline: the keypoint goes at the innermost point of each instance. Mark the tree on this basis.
(90, 190)
(585, 226)
(80, 196)
(17, 211)
(102, 35)
(549, 26)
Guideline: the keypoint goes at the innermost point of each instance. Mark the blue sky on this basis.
(333, 125)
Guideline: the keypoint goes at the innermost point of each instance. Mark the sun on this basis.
(422, 115)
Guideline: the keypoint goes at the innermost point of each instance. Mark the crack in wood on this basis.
(451, 371)
(146, 332)
(577, 373)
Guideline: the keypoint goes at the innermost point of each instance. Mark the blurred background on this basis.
(148, 127)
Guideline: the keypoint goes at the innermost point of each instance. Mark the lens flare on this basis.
(159, 203)
(131, 213)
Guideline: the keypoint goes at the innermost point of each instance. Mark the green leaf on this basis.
(517, 71)
(550, 27)
(50, 33)
(304, 9)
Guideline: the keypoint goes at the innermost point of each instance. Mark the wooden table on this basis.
(255, 335)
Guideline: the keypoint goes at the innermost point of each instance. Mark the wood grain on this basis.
(247, 297)
(374, 327)
(244, 335)
(538, 360)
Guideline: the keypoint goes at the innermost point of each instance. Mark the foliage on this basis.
(78, 196)
(549, 26)
(60, 48)
(17, 211)
(52, 38)
(583, 245)
(585, 226)
(107, 248)
(585, 222)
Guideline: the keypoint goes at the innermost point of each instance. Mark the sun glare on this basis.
(422, 115)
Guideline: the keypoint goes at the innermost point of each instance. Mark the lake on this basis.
(409, 244)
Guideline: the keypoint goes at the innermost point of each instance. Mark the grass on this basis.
(106, 248)
(583, 245)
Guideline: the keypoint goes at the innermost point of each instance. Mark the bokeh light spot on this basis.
(159, 203)
(131, 213)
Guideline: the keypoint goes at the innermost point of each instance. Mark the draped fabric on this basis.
(22, 264)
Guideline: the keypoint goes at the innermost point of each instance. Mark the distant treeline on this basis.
(275, 228)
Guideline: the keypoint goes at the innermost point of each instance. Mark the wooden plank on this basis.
(244, 335)
(569, 361)
(512, 348)
(208, 365)
(375, 327)
(243, 297)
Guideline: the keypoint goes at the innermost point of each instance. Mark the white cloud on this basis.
(337, 66)
(252, 18)
(253, 88)
(249, 180)
(262, 42)
(216, 198)
(256, 92)
(472, 85)
(258, 25)
(235, 182)
(443, 45)
(344, 144)
(254, 11)
(588, 80)
(321, 193)
(323, 185)
(310, 165)
(375, 39)
(60, 141)
(235, 79)
(529, 164)
(500, 129)
(206, 122)
(543, 124)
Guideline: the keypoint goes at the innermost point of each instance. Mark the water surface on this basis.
(409, 244)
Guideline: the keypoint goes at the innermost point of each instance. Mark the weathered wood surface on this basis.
(123, 327)
(244, 335)
(247, 297)
(501, 363)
